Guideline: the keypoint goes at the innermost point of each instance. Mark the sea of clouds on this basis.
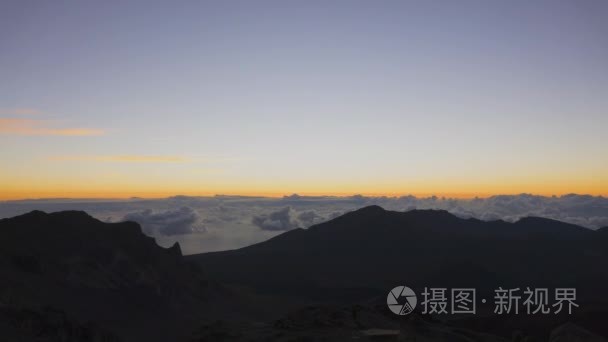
(203, 224)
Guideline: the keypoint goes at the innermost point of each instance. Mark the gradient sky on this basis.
(457, 98)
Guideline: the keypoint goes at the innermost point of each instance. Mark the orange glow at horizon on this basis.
(279, 190)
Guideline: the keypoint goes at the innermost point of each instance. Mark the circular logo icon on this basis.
(401, 300)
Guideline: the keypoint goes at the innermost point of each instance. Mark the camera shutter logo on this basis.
(401, 300)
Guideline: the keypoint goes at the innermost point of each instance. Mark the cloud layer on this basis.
(204, 224)
(280, 220)
(123, 158)
(21, 126)
(184, 220)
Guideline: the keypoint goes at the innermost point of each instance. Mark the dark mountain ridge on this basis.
(372, 250)
(107, 273)
(69, 277)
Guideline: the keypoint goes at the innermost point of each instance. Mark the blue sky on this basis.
(273, 97)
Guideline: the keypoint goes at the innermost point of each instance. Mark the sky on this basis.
(113, 99)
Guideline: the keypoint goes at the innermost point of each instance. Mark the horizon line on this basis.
(124, 197)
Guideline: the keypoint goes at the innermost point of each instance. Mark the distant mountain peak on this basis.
(69, 215)
(375, 212)
(431, 212)
(370, 209)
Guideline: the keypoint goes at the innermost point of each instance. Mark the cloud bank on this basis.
(202, 224)
(184, 220)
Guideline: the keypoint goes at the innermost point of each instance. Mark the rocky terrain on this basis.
(69, 271)
(69, 277)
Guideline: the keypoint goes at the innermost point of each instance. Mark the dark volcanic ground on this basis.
(69, 277)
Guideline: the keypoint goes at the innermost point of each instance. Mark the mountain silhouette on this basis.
(365, 253)
(64, 270)
(359, 257)
(67, 276)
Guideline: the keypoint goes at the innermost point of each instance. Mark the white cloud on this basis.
(184, 220)
(282, 219)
